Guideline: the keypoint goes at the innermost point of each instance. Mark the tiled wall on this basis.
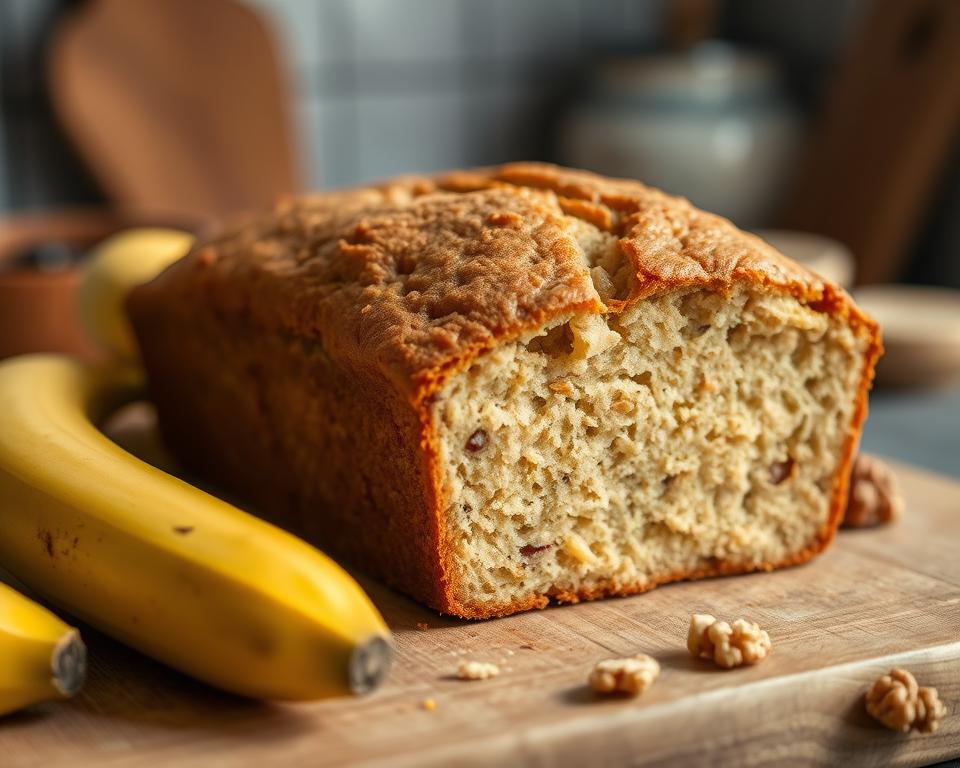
(389, 86)
(35, 165)
(378, 86)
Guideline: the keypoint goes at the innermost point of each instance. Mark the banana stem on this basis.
(369, 664)
(69, 663)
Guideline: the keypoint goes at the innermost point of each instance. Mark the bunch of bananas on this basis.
(143, 556)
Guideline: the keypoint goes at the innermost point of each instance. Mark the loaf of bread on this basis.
(497, 388)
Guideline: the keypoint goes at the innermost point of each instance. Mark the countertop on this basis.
(918, 427)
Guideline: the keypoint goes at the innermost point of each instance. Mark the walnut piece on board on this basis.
(631, 675)
(727, 645)
(900, 704)
(875, 497)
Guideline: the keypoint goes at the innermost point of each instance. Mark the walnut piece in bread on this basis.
(631, 675)
(727, 645)
(897, 701)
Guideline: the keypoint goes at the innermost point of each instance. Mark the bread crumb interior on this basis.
(610, 450)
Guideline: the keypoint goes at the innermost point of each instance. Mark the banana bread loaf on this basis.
(496, 388)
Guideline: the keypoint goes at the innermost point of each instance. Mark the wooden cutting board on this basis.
(876, 599)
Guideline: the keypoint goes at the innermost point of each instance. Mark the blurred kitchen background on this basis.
(832, 127)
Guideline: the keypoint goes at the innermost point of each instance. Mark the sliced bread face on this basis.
(697, 432)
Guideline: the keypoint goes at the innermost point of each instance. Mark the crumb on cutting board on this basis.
(477, 670)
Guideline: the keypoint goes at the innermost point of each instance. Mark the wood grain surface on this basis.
(877, 599)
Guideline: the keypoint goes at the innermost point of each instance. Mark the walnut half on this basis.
(875, 497)
(901, 705)
(632, 675)
(728, 646)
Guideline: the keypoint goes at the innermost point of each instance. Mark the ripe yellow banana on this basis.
(161, 565)
(113, 268)
(41, 658)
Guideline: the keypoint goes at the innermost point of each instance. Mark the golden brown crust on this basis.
(402, 284)
(406, 278)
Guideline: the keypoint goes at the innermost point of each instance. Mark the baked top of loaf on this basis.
(420, 275)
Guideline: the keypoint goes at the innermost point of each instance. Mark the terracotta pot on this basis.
(38, 310)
